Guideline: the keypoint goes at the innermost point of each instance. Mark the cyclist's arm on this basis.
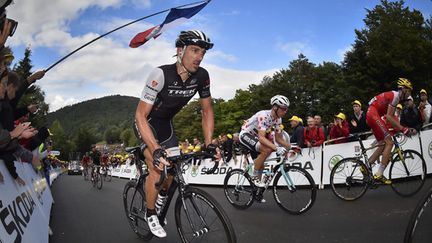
(390, 118)
(264, 141)
(207, 119)
(280, 140)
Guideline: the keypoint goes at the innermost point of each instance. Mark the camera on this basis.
(14, 24)
(313, 142)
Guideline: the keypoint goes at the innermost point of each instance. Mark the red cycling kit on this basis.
(378, 106)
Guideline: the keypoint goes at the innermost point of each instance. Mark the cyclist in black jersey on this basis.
(168, 88)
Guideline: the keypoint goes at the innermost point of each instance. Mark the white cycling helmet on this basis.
(280, 100)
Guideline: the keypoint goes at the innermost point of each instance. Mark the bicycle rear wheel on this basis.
(238, 189)
(199, 218)
(300, 196)
(420, 224)
(349, 179)
(407, 174)
(135, 206)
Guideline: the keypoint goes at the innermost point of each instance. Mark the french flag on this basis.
(175, 17)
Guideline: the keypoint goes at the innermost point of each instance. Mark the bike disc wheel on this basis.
(199, 218)
(408, 173)
(135, 206)
(349, 179)
(299, 197)
(238, 189)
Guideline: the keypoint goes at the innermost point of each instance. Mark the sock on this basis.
(381, 169)
(257, 173)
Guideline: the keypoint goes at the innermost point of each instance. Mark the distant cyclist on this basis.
(381, 105)
(256, 130)
(95, 156)
(167, 89)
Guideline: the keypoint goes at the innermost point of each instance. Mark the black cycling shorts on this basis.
(163, 131)
(251, 142)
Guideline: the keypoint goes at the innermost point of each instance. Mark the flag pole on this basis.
(121, 27)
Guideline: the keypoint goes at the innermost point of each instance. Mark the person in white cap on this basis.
(425, 107)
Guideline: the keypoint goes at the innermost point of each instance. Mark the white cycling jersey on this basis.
(262, 120)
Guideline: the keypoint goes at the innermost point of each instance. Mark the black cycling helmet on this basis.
(193, 37)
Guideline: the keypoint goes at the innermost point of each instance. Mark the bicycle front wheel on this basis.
(420, 224)
(99, 181)
(199, 218)
(135, 206)
(238, 189)
(349, 179)
(295, 193)
(407, 173)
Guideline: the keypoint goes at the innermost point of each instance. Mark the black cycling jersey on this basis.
(168, 93)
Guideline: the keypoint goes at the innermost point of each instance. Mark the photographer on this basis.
(313, 135)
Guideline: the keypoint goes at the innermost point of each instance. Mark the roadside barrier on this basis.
(25, 210)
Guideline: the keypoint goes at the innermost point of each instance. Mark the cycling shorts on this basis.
(377, 124)
(251, 142)
(163, 131)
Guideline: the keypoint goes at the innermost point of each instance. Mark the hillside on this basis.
(97, 114)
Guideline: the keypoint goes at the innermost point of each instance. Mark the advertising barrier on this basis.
(318, 161)
(25, 210)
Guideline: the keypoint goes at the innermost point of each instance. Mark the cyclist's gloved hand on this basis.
(158, 154)
(280, 151)
(211, 149)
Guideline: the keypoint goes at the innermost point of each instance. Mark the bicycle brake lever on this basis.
(162, 177)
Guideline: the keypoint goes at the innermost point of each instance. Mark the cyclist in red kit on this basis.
(381, 105)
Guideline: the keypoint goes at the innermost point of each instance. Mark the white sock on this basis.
(381, 169)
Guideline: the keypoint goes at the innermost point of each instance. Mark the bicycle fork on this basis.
(196, 232)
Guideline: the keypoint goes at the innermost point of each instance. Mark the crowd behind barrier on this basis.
(25, 210)
(318, 161)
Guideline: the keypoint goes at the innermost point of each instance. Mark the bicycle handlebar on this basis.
(186, 157)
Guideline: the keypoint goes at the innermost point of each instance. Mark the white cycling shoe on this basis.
(155, 227)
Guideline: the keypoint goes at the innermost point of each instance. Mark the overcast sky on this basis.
(253, 38)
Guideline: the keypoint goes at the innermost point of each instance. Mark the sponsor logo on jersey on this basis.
(181, 93)
(154, 83)
(151, 88)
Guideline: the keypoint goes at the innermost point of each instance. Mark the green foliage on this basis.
(84, 139)
(34, 94)
(128, 137)
(112, 134)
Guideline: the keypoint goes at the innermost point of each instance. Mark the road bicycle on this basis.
(96, 178)
(420, 223)
(351, 177)
(198, 216)
(294, 188)
(85, 173)
(106, 172)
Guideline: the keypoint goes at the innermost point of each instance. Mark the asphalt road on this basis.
(84, 214)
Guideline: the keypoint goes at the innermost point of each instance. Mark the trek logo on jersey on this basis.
(181, 93)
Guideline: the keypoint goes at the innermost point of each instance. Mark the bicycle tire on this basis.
(99, 181)
(237, 183)
(135, 207)
(403, 184)
(199, 204)
(299, 200)
(347, 181)
(419, 225)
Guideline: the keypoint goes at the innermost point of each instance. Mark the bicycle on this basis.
(198, 216)
(419, 225)
(106, 172)
(351, 177)
(85, 173)
(96, 178)
(294, 189)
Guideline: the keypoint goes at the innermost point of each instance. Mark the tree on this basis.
(60, 142)
(85, 139)
(112, 134)
(128, 137)
(34, 94)
(393, 44)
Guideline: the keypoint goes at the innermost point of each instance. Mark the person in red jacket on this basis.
(340, 128)
(313, 135)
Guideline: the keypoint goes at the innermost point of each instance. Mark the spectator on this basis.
(357, 119)
(340, 128)
(227, 146)
(313, 135)
(236, 147)
(318, 121)
(410, 116)
(398, 111)
(425, 108)
(298, 131)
